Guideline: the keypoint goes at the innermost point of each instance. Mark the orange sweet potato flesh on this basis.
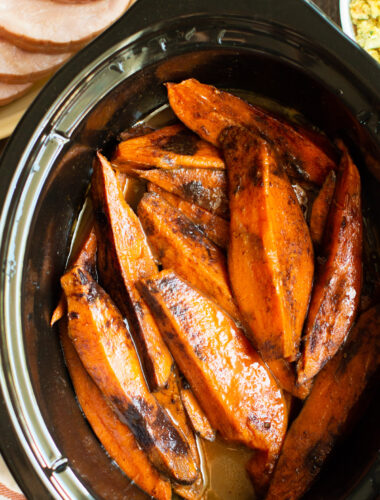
(215, 228)
(270, 254)
(204, 187)
(336, 292)
(336, 389)
(229, 379)
(320, 209)
(181, 246)
(107, 352)
(115, 436)
(86, 257)
(208, 111)
(171, 147)
(198, 419)
(124, 258)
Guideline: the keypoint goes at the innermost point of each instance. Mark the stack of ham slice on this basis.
(38, 36)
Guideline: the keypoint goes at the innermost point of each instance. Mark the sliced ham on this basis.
(48, 26)
(9, 92)
(20, 66)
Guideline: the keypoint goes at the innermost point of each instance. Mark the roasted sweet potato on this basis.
(191, 491)
(203, 187)
(124, 257)
(208, 111)
(336, 389)
(198, 419)
(86, 257)
(83, 252)
(320, 209)
(336, 292)
(286, 376)
(170, 147)
(270, 254)
(181, 246)
(106, 350)
(215, 228)
(170, 398)
(232, 384)
(115, 436)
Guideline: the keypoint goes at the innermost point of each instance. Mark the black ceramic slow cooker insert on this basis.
(283, 49)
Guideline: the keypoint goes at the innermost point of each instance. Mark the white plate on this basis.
(11, 113)
(345, 18)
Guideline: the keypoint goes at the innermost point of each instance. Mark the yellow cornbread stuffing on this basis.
(365, 15)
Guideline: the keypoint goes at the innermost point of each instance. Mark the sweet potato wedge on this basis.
(336, 389)
(215, 228)
(124, 257)
(171, 147)
(270, 254)
(190, 491)
(336, 291)
(198, 419)
(320, 209)
(203, 187)
(106, 350)
(229, 379)
(115, 436)
(207, 111)
(86, 257)
(169, 397)
(181, 246)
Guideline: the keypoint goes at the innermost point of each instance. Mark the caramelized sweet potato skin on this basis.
(270, 254)
(336, 389)
(229, 379)
(215, 228)
(208, 111)
(106, 350)
(181, 246)
(198, 419)
(336, 292)
(115, 436)
(203, 187)
(320, 209)
(171, 147)
(124, 257)
(286, 376)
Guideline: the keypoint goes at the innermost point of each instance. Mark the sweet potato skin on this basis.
(336, 389)
(204, 187)
(124, 257)
(198, 419)
(286, 376)
(336, 292)
(106, 350)
(171, 147)
(115, 436)
(208, 111)
(181, 246)
(229, 379)
(270, 254)
(320, 209)
(215, 228)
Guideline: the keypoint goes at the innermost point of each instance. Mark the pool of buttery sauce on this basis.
(223, 463)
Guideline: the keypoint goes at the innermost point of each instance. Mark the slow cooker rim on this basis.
(33, 118)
